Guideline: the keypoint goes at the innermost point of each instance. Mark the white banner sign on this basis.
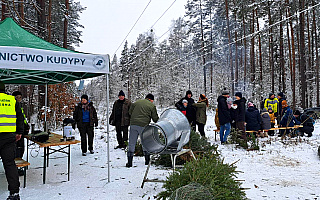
(45, 60)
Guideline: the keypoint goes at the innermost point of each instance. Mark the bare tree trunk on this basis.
(283, 83)
(245, 53)
(236, 63)
(3, 11)
(211, 56)
(65, 32)
(293, 76)
(302, 55)
(289, 44)
(317, 55)
(252, 59)
(260, 56)
(49, 25)
(21, 12)
(41, 17)
(271, 61)
(309, 70)
(230, 50)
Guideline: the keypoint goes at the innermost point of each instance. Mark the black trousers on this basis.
(122, 138)
(86, 130)
(201, 129)
(7, 153)
(20, 148)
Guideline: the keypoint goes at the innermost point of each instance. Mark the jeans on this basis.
(224, 132)
(135, 131)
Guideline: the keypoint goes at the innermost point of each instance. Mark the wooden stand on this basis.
(173, 161)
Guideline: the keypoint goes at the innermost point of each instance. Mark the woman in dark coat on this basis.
(240, 113)
(253, 118)
(201, 115)
(190, 110)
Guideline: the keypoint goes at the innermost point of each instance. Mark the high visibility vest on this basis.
(24, 116)
(7, 113)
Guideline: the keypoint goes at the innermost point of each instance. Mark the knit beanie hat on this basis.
(121, 93)
(16, 93)
(150, 96)
(284, 103)
(84, 97)
(225, 91)
(270, 94)
(238, 94)
(188, 92)
(184, 101)
(280, 94)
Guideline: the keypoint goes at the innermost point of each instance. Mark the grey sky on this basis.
(107, 22)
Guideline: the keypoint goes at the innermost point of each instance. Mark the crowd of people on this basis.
(273, 111)
(130, 119)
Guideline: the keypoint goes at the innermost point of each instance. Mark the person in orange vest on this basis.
(10, 132)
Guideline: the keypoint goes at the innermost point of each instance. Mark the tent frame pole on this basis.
(108, 143)
(45, 109)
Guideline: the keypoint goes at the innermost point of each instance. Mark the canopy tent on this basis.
(27, 59)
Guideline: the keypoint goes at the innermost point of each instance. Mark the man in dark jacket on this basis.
(190, 110)
(22, 118)
(86, 117)
(281, 97)
(287, 120)
(121, 119)
(224, 116)
(11, 129)
(141, 112)
(307, 120)
(240, 114)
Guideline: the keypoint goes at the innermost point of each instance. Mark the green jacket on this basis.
(141, 112)
(201, 115)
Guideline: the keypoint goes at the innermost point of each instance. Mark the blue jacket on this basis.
(288, 120)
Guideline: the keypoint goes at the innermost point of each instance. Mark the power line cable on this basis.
(248, 36)
(133, 26)
(151, 29)
(163, 14)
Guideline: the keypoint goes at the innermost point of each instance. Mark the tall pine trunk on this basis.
(3, 11)
(260, 57)
(49, 24)
(317, 56)
(302, 55)
(245, 53)
(230, 51)
(252, 59)
(65, 30)
(271, 60)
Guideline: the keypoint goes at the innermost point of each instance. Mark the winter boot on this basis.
(129, 164)
(14, 197)
(147, 159)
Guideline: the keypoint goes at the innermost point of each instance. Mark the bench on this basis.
(22, 163)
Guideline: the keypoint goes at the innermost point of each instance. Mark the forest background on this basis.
(252, 46)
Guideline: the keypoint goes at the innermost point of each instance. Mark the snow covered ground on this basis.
(289, 170)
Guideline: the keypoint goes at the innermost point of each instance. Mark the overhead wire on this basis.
(132, 27)
(142, 51)
(248, 36)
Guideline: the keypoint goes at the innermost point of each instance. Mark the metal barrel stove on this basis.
(170, 133)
